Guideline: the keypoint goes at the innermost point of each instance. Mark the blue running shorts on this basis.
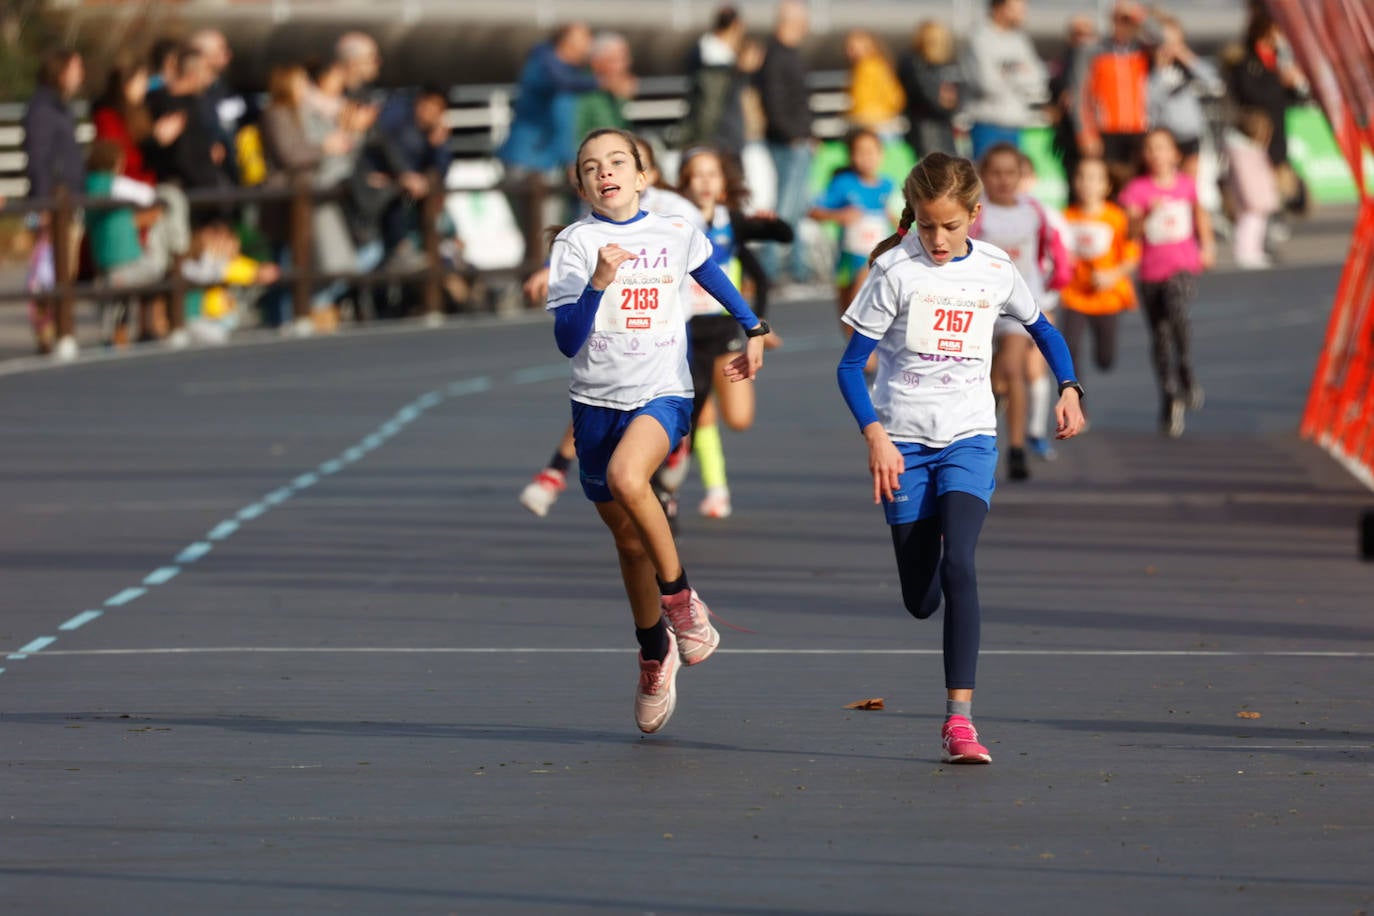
(598, 431)
(966, 466)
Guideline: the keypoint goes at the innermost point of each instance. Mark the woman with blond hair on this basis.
(876, 98)
(934, 86)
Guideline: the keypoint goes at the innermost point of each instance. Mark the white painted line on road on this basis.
(606, 650)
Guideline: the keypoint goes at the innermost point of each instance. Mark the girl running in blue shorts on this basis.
(928, 309)
(616, 281)
(548, 484)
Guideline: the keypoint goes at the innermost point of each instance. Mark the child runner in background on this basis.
(1253, 185)
(716, 188)
(928, 310)
(1019, 225)
(857, 200)
(615, 290)
(1104, 259)
(549, 483)
(1176, 244)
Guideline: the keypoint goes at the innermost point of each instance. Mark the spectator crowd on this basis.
(176, 145)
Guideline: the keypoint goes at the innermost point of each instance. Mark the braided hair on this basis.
(937, 175)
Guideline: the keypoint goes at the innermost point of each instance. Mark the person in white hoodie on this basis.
(1009, 81)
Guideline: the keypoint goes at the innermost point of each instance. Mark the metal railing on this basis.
(60, 212)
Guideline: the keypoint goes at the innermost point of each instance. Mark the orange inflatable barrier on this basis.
(1333, 41)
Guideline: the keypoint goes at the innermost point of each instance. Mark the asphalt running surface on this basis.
(277, 638)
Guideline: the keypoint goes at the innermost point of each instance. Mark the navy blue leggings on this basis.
(936, 554)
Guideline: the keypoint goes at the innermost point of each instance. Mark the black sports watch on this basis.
(761, 331)
(1075, 386)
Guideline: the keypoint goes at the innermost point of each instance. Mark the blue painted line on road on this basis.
(193, 552)
(544, 373)
(37, 645)
(16, 656)
(279, 496)
(223, 530)
(80, 620)
(162, 576)
(459, 389)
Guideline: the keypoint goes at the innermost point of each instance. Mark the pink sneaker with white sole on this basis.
(689, 619)
(656, 694)
(960, 741)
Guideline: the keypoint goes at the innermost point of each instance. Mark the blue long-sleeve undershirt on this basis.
(1054, 348)
(854, 390)
(573, 323)
(850, 375)
(715, 282)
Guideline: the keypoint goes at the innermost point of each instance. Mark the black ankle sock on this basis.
(672, 588)
(653, 641)
(559, 463)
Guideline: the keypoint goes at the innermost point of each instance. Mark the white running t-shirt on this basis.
(637, 350)
(934, 329)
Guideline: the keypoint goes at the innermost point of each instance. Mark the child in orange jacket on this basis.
(1104, 258)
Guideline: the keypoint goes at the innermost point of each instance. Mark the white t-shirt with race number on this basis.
(934, 329)
(637, 350)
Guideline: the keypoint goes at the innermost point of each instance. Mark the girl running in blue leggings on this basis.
(927, 309)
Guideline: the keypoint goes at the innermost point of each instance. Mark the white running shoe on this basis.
(717, 503)
(690, 621)
(543, 491)
(675, 467)
(656, 693)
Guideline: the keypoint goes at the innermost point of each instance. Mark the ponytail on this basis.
(895, 239)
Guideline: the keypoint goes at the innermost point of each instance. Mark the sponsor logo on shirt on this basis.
(643, 261)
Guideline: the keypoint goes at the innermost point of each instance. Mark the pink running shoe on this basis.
(656, 695)
(689, 619)
(960, 740)
(543, 491)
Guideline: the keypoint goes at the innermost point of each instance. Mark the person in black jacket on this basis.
(781, 83)
(54, 161)
(54, 156)
(934, 84)
(189, 160)
(716, 73)
(1267, 79)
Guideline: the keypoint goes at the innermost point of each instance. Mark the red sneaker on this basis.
(960, 741)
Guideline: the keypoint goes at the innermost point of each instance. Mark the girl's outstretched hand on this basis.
(885, 463)
(1068, 415)
(746, 366)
